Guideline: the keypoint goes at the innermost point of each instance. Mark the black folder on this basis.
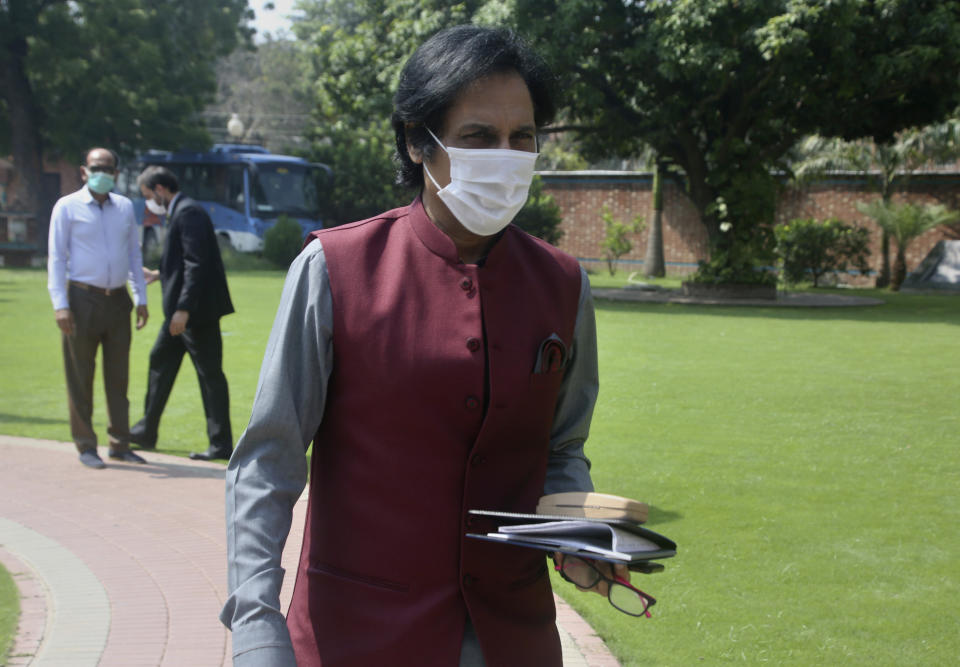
(613, 540)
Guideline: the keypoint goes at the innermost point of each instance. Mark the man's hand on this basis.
(142, 316)
(65, 320)
(610, 570)
(150, 275)
(178, 323)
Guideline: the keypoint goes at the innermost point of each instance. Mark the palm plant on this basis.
(886, 166)
(904, 223)
(880, 163)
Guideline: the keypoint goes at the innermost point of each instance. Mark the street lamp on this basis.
(235, 127)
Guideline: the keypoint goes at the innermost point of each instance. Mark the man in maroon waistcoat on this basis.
(441, 360)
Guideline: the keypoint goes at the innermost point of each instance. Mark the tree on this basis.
(355, 51)
(723, 88)
(126, 74)
(267, 89)
(904, 223)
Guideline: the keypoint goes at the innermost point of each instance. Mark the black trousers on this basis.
(205, 347)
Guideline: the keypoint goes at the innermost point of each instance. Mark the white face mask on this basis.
(155, 208)
(488, 187)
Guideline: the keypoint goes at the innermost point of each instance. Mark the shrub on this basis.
(742, 252)
(282, 242)
(616, 244)
(540, 216)
(808, 248)
(727, 266)
(244, 261)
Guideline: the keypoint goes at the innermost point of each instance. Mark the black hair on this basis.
(116, 158)
(441, 68)
(155, 175)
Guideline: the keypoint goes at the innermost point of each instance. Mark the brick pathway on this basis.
(126, 566)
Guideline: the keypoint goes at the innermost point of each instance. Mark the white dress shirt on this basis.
(94, 244)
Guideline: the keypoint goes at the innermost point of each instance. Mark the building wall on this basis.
(60, 178)
(581, 197)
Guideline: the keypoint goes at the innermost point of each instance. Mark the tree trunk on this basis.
(883, 279)
(653, 262)
(886, 193)
(701, 194)
(24, 132)
(899, 270)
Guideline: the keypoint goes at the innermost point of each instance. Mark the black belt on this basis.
(98, 290)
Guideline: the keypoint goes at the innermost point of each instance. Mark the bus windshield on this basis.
(294, 190)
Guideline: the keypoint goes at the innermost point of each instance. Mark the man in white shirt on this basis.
(94, 251)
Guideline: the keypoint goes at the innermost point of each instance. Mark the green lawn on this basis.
(32, 384)
(806, 462)
(9, 612)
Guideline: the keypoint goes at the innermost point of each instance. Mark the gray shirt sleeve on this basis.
(568, 469)
(268, 470)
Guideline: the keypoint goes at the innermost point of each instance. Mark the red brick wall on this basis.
(582, 195)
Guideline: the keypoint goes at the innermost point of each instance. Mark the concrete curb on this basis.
(783, 300)
(77, 615)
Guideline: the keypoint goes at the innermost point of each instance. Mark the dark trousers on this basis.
(99, 321)
(205, 347)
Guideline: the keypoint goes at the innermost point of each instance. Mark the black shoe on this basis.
(211, 454)
(138, 437)
(91, 459)
(126, 457)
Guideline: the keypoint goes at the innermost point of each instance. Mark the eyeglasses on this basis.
(98, 168)
(621, 594)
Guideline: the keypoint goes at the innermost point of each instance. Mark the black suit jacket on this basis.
(191, 269)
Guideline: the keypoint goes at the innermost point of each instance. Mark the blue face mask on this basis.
(100, 182)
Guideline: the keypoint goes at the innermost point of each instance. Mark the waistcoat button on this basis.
(473, 344)
(469, 580)
(466, 284)
(472, 403)
(477, 460)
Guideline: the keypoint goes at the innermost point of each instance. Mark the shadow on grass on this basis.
(658, 515)
(23, 419)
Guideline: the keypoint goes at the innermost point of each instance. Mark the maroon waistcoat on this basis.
(432, 409)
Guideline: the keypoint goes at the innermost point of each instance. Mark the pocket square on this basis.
(551, 356)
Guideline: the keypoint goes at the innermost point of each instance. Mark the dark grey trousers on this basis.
(99, 321)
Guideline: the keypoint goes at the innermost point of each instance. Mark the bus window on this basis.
(235, 196)
(203, 181)
(290, 189)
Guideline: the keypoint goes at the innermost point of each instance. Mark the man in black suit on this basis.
(195, 297)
